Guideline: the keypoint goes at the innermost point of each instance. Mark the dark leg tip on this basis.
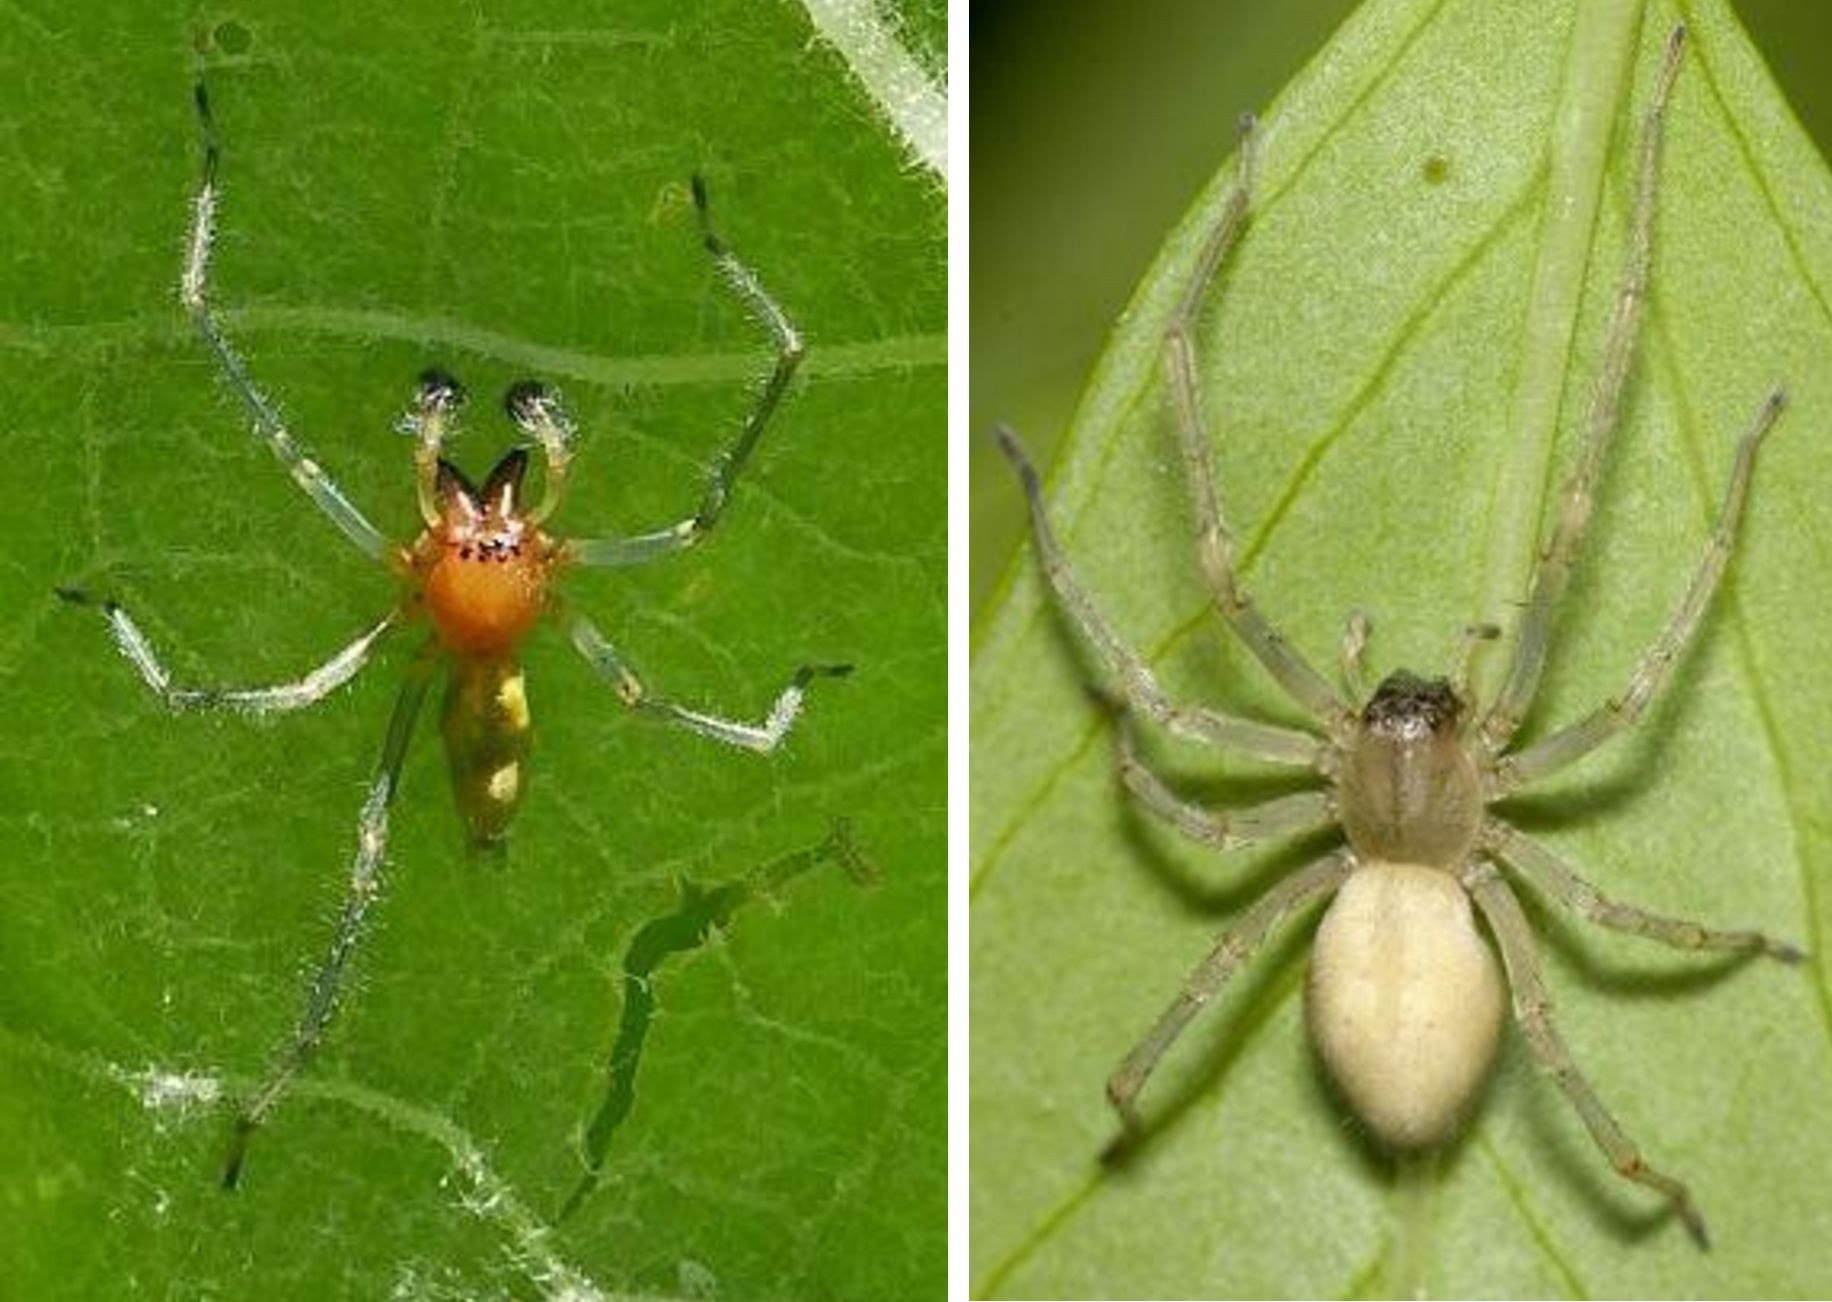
(207, 123)
(808, 673)
(1695, 1226)
(524, 401)
(238, 1154)
(245, 1126)
(439, 391)
(1013, 448)
(84, 597)
(703, 208)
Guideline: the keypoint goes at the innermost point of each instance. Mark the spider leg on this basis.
(1215, 544)
(1354, 652)
(612, 552)
(312, 687)
(762, 737)
(1136, 682)
(1622, 713)
(365, 886)
(1533, 1011)
(1223, 829)
(194, 293)
(1235, 947)
(1553, 569)
(1463, 658)
(1551, 874)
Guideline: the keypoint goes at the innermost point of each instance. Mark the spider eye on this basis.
(1406, 705)
(439, 391)
(526, 402)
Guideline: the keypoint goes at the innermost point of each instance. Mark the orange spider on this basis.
(480, 573)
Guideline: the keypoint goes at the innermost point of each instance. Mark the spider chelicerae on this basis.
(1404, 999)
(480, 573)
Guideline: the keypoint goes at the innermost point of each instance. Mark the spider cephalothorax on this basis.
(1409, 786)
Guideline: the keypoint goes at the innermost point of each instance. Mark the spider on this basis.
(480, 573)
(1404, 999)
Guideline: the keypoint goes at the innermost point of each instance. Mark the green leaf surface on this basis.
(501, 191)
(1395, 365)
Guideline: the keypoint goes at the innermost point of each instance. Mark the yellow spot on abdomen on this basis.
(487, 739)
(506, 783)
(512, 699)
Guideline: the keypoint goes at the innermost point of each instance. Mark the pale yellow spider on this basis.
(1404, 998)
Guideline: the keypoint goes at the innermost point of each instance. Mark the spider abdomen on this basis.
(1404, 1000)
(487, 739)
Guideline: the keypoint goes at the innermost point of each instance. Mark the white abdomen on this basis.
(1404, 1000)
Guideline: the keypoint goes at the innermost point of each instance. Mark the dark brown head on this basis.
(1406, 707)
(1409, 790)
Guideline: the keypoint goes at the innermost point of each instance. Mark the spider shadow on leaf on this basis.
(1563, 1150)
(1263, 993)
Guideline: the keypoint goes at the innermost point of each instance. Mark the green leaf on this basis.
(1395, 366)
(504, 193)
